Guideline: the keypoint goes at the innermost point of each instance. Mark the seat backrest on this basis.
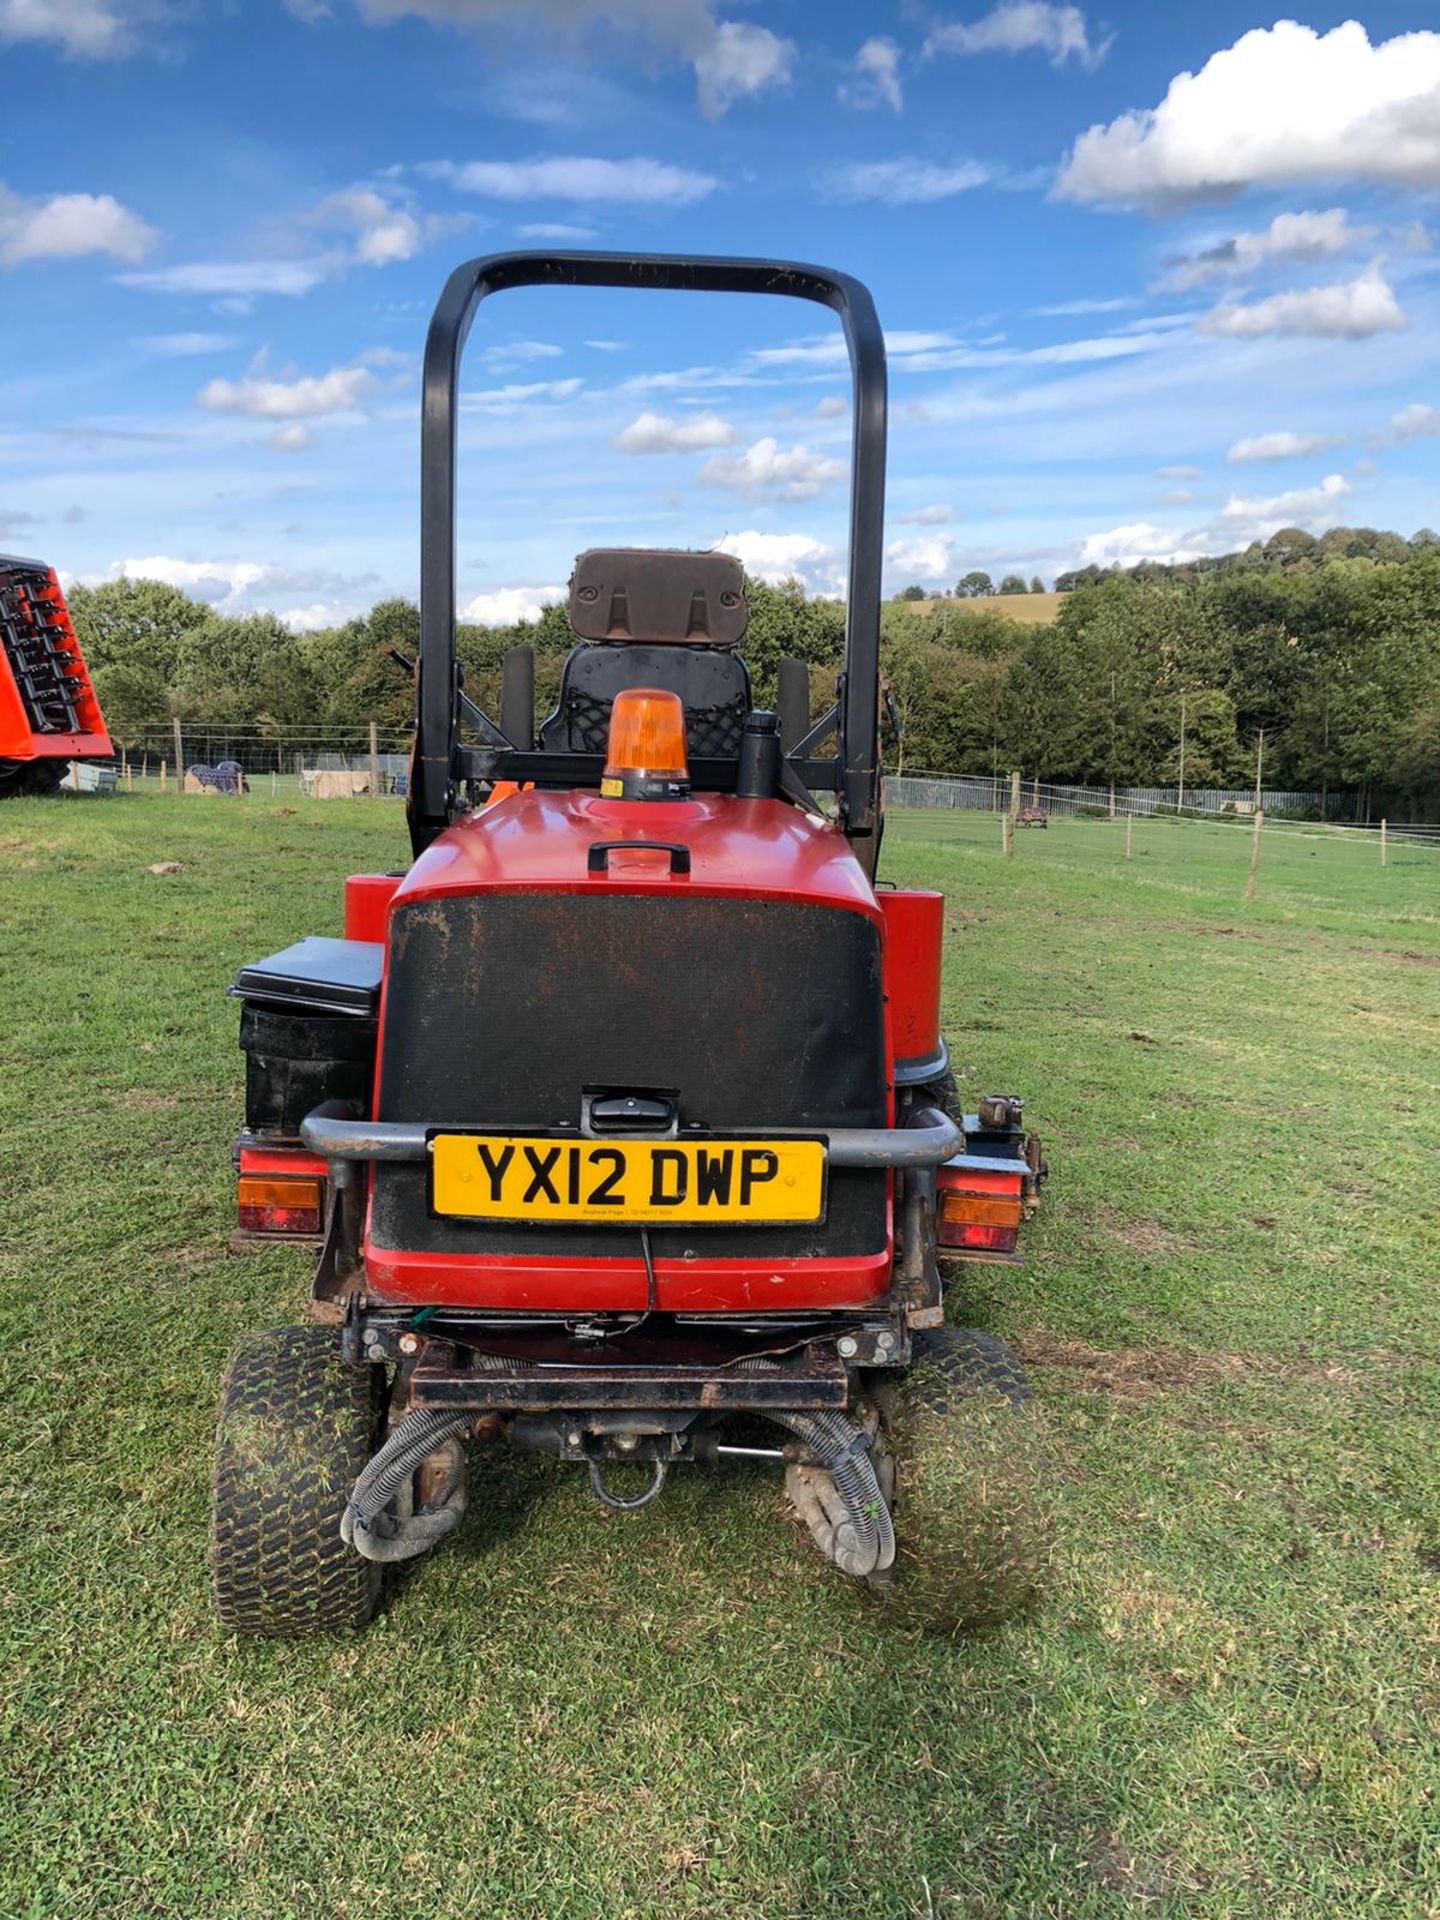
(713, 686)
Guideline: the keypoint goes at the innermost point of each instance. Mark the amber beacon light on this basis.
(645, 759)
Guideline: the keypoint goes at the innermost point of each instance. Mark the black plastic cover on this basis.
(329, 976)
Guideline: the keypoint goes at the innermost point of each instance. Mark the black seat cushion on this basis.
(713, 685)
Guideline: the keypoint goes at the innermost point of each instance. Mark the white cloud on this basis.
(832, 407)
(555, 230)
(321, 613)
(768, 471)
(1020, 26)
(1068, 309)
(936, 516)
(1128, 546)
(506, 605)
(1289, 236)
(68, 226)
(1284, 104)
(291, 439)
(309, 397)
(786, 556)
(85, 29)
(1282, 446)
(637, 182)
(1246, 519)
(239, 587)
(232, 279)
(1346, 310)
(657, 433)
(1413, 422)
(1177, 473)
(912, 352)
(1242, 519)
(932, 557)
(829, 349)
(383, 232)
(904, 182)
(182, 346)
(876, 81)
(732, 59)
(518, 394)
(741, 59)
(224, 584)
(502, 357)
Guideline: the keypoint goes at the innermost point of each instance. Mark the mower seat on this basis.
(649, 618)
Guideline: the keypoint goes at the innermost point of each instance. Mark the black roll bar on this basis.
(437, 764)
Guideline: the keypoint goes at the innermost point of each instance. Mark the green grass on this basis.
(1228, 1707)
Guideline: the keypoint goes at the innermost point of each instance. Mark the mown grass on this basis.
(1230, 1704)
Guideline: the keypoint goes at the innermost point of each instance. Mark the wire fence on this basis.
(325, 763)
(372, 762)
(992, 793)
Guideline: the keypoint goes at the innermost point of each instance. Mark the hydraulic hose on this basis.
(867, 1544)
(388, 1475)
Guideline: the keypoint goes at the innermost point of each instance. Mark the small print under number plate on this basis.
(514, 1177)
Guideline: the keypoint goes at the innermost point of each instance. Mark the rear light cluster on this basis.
(280, 1193)
(979, 1210)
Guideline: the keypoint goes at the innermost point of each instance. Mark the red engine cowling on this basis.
(914, 932)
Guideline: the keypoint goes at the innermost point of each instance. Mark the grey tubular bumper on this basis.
(930, 1139)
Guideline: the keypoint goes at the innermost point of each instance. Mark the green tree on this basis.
(141, 624)
(1012, 583)
(973, 586)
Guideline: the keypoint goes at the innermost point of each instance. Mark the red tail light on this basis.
(979, 1210)
(292, 1203)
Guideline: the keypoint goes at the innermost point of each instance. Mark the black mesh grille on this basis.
(501, 1009)
(35, 642)
(711, 733)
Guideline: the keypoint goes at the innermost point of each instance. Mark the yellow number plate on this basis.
(495, 1176)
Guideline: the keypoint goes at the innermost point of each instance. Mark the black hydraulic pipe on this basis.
(517, 697)
(758, 775)
(792, 697)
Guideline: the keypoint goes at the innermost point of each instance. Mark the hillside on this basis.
(1038, 608)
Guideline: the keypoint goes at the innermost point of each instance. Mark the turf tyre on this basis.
(942, 1092)
(295, 1430)
(22, 778)
(973, 1536)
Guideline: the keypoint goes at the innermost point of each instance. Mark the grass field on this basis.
(1042, 608)
(1229, 1707)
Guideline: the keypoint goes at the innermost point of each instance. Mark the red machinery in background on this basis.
(49, 715)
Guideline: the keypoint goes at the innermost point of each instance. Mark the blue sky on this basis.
(1157, 280)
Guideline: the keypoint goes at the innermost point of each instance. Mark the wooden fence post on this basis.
(374, 762)
(1254, 854)
(1007, 835)
(1384, 850)
(1129, 830)
(179, 758)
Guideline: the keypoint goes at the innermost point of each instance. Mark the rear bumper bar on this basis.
(931, 1139)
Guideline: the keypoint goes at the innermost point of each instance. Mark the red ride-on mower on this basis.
(49, 715)
(624, 1114)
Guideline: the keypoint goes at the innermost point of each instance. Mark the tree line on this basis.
(1335, 656)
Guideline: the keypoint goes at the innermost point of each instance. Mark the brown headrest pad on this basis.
(650, 594)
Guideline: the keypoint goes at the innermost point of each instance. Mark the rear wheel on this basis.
(20, 777)
(296, 1429)
(964, 1455)
(942, 1092)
